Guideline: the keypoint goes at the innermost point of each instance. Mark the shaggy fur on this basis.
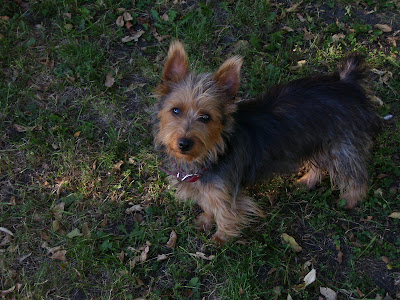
(216, 146)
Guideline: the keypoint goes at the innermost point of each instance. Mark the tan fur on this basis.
(230, 214)
(311, 178)
(228, 75)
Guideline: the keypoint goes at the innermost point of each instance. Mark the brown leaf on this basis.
(287, 28)
(202, 256)
(144, 254)
(120, 21)
(13, 201)
(337, 37)
(134, 37)
(161, 257)
(293, 8)
(134, 208)
(361, 294)
(56, 225)
(19, 128)
(58, 210)
(59, 255)
(340, 257)
(300, 17)
(172, 240)
(109, 80)
(6, 240)
(86, 230)
(165, 17)
(142, 20)
(104, 222)
(272, 270)
(121, 256)
(8, 291)
(128, 25)
(117, 167)
(383, 27)
(127, 16)
(307, 35)
(76, 134)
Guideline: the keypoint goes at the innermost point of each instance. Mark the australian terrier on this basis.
(216, 145)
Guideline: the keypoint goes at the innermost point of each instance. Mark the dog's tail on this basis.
(353, 68)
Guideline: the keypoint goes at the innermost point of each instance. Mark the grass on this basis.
(76, 154)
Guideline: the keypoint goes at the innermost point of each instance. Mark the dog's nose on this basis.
(185, 144)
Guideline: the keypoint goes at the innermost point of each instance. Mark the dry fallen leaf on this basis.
(20, 128)
(77, 134)
(328, 293)
(202, 256)
(172, 240)
(383, 27)
(8, 291)
(120, 21)
(58, 210)
(300, 17)
(127, 16)
(134, 37)
(308, 35)
(117, 167)
(74, 233)
(287, 28)
(86, 230)
(395, 215)
(361, 294)
(134, 208)
(56, 225)
(109, 80)
(128, 25)
(340, 257)
(161, 257)
(308, 279)
(121, 256)
(293, 8)
(337, 37)
(5, 230)
(144, 254)
(165, 17)
(6, 240)
(291, 242)
(59, 255)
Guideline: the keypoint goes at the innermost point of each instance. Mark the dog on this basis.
(216, 145)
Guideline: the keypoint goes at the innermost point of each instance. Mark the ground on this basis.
(86, 213)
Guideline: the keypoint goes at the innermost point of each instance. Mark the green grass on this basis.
(63, 134)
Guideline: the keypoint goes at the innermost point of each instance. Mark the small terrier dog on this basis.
(216, 145)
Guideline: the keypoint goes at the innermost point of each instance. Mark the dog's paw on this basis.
(220, 238)
(204, 222)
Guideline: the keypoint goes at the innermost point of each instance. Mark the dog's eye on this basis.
(205, 118)
(176, 111)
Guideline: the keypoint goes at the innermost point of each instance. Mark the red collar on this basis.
(183, 176)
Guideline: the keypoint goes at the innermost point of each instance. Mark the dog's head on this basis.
(195, 111)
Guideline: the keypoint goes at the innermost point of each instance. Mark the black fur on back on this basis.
(293, 122)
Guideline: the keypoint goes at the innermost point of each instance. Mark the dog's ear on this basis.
(228, 75)
(177, 66)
